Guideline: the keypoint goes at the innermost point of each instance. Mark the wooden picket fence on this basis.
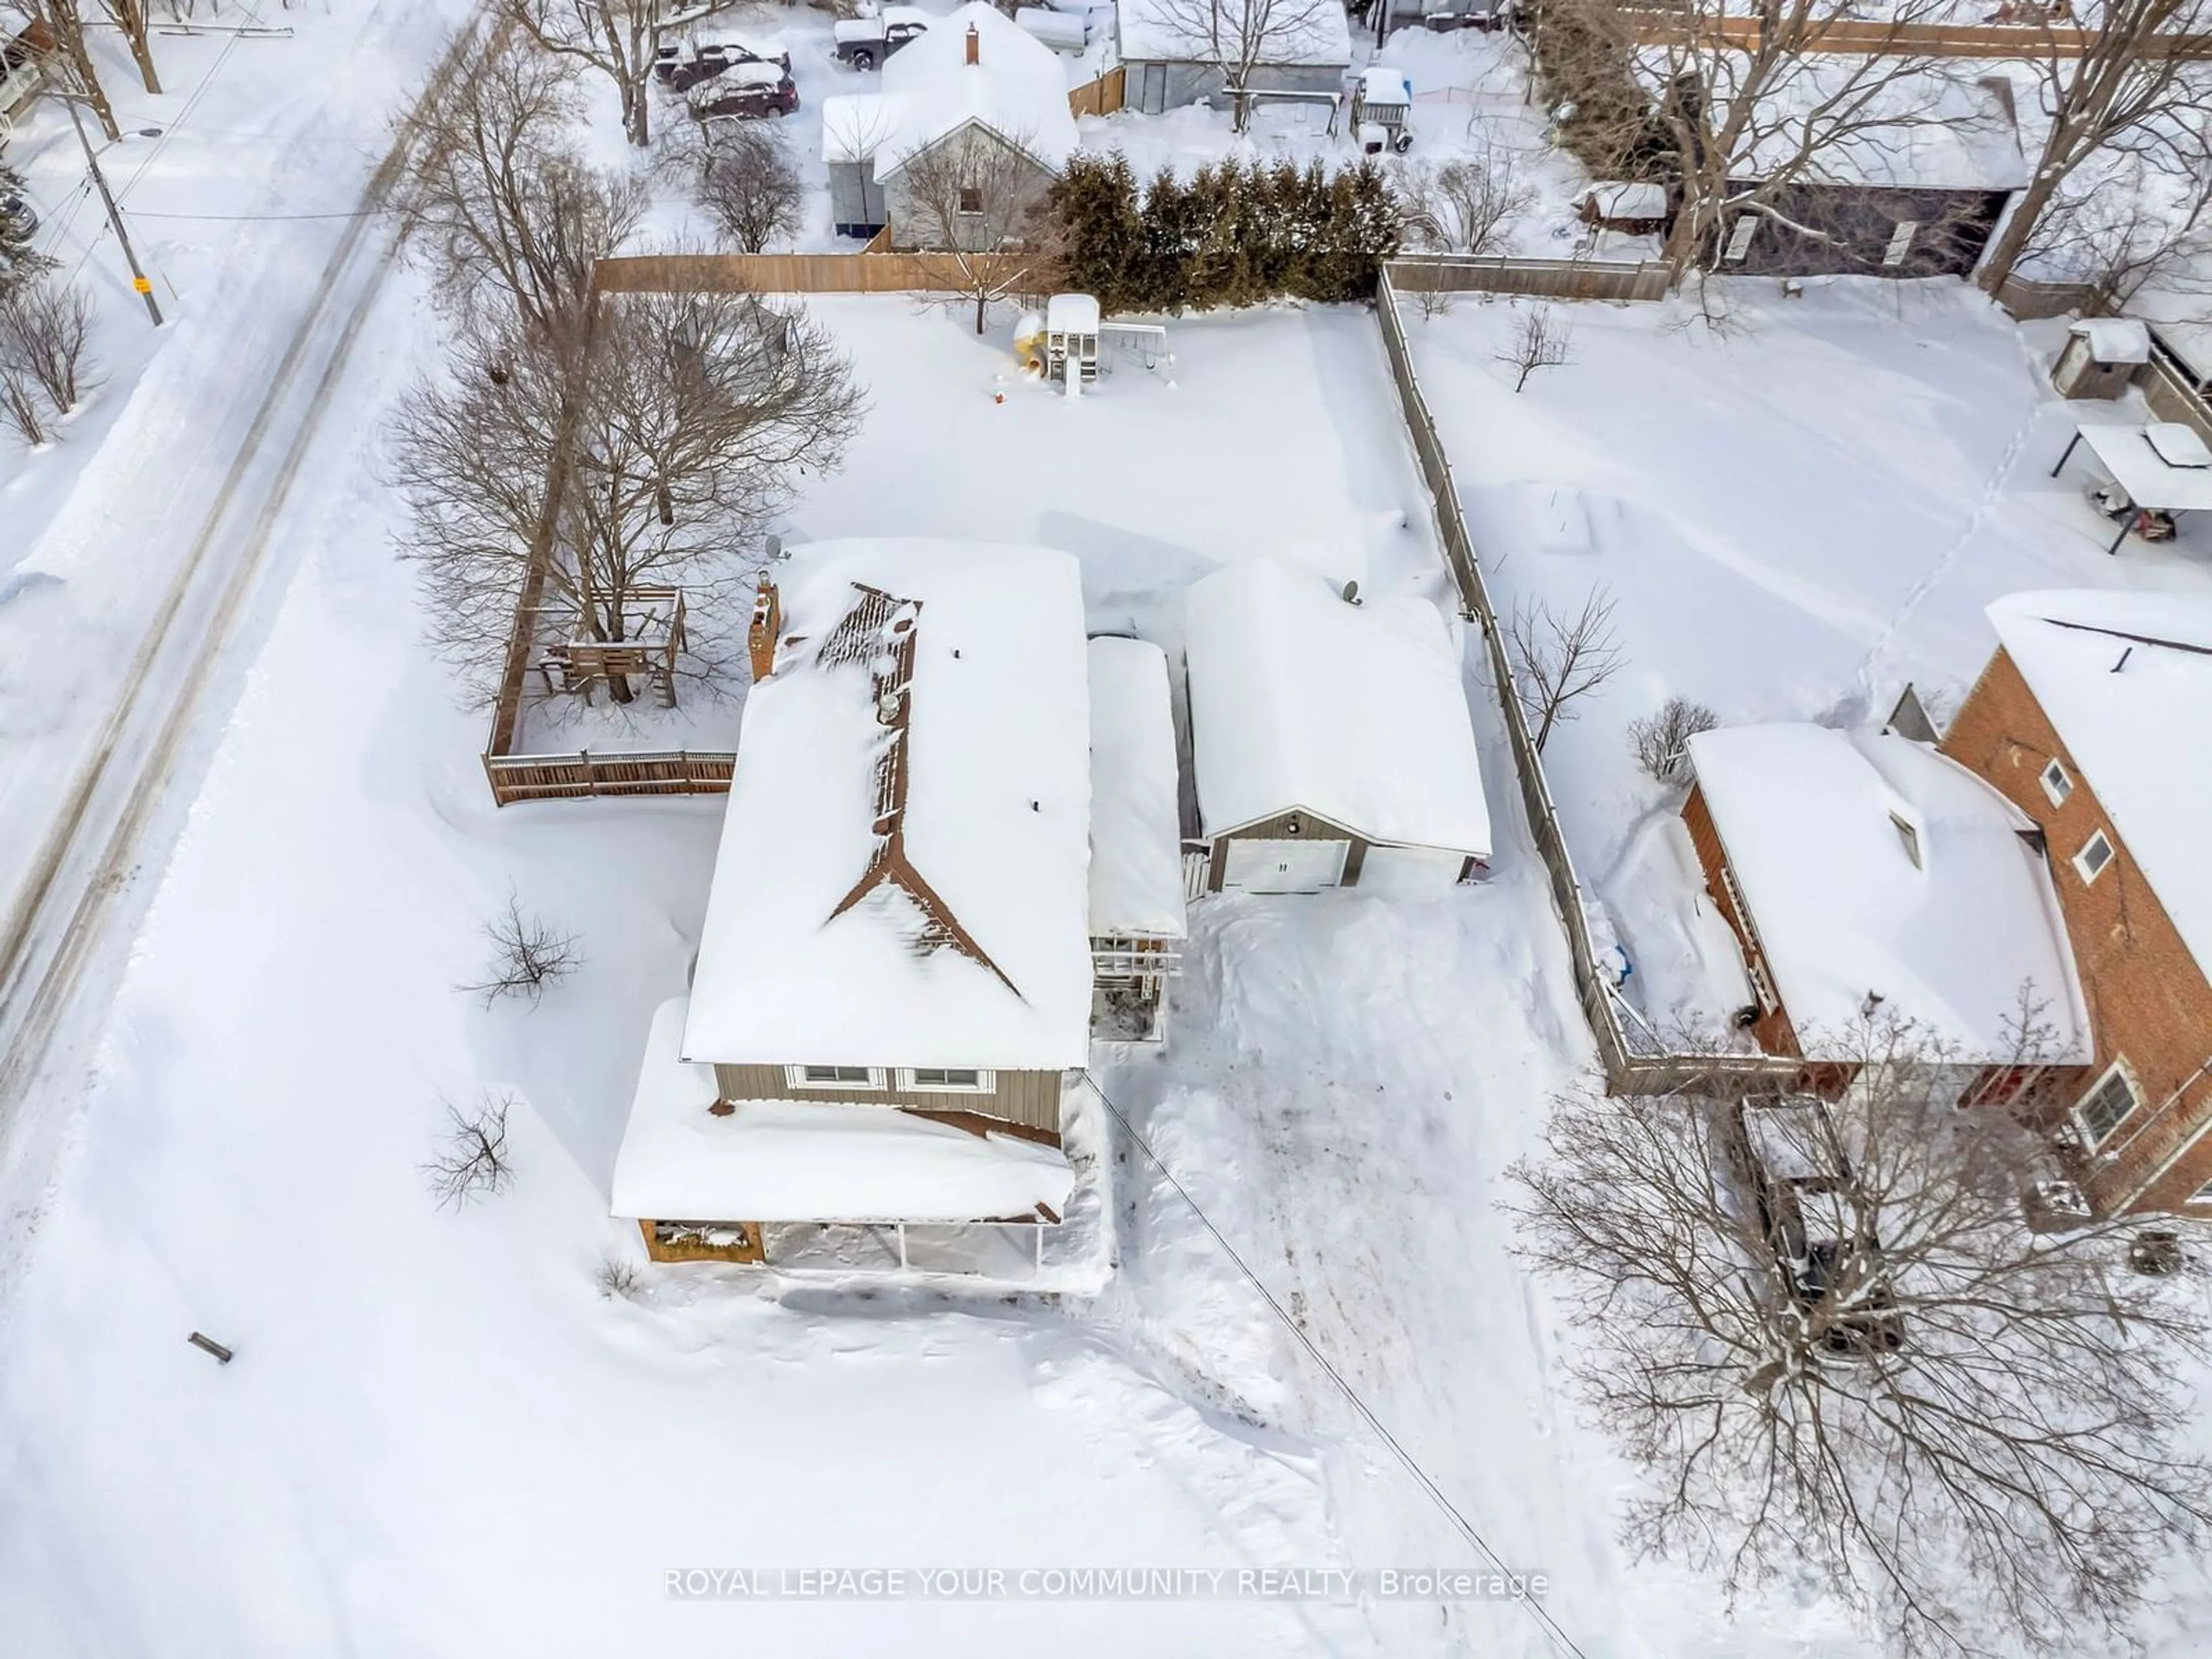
(1556, 279)
(584, 774)
(865, 272)
(1103, 96)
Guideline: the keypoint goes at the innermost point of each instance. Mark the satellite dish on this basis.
(1351, 593)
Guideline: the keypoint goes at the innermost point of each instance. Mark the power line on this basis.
(1465, 1527)
(251, 218)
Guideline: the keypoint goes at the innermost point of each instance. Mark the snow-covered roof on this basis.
(2160, 464)
(1631, 199)
(791, 1160)
(1072, 314)
(2134, 727)
(903, 877)
(1016, 87)
(1931, 130)
(1136, 834)
(1822, 829)
(1181, 31)
(2180, 311)
(2115, 339)
(1356, 713)
(1381, 84)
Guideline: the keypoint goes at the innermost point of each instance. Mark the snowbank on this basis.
(1353, 712)
(786, 1160)
(1874, 866)
(1136, 836)
(2126, 678)
(802, 958)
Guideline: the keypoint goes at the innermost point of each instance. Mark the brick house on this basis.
(2092, 718)
(1864, 873)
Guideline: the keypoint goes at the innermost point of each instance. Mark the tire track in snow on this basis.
(86, 860)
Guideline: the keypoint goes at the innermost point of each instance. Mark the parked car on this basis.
(681, 65)
(747, 92)
(19, 221)
(1815, 1219)
(864, 42)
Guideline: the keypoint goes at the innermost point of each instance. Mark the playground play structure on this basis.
(1062, 342)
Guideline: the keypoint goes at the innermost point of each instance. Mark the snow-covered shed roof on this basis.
(1016, 87)
(2126, 680)
(903, 877)
(2180, 311)
(1072, 314)
(2115, 339)
(1929, 129)
(1630, 198)
(1874, 864)
(1136, 834)
(789, 1160)
(1181, 32)
(1385, 83)
(1355, 713)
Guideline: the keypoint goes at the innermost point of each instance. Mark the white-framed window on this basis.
(948, 1080)
(1910, 837)
(1901, 244)
(2106, 1106)
(2096, 852)
(834, 1077)
(2057, 782)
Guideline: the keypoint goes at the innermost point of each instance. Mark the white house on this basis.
(1331, 740)
(894, 975)
(973, 79)
(1182, 51)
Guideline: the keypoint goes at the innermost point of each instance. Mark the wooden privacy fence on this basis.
(1872, 38)
(1630, 1067)
(1100, 97)
(1557, 279)
(799, 273)
(572, 777)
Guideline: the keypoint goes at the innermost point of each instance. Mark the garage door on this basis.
(1409, 871)
(1284, 866)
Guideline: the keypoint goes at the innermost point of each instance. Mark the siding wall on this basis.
(2147, 998)
(912, 228)
(856, 200)
(1030, 1099)
(1772, 1028)
(1279, 829)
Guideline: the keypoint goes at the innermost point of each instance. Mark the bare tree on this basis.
(1463, 206)
(70, 63)
(620, 1280)
(504, 209)
(1541, 341)
(620, 38)
(983, 201)
(21, 406)
(1661, 741)
(1239, 36)
(1559, 659)
(2112, 82)
(130, 17)
(471, 1161)
(1825, 1333)
(742, 176)
(527, 956)
(2126, 222)
(680, 422)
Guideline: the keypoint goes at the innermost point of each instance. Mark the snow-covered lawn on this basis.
(1794, 518)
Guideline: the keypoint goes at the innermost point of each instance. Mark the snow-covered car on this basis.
(19, 221)
(747, 92)
(864, 42)
(681, 65)
(1816, 1219)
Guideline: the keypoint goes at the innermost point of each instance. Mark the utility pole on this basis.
(138, 278)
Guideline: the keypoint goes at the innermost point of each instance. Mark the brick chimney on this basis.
(768, 623)
(974, 46)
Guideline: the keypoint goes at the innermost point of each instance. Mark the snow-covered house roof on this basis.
(1016, 88)
(902, 878)
(1929, 129)
(1183, 32)
(2126, 680)
(2179, 310)
(1352, 712)
(1136, 834)
(784, 1160)
(1874, 866)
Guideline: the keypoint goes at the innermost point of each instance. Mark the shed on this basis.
(1137, 921)
(1331, 740)
(1635, 207)
(1166, 46)
(2100, 357)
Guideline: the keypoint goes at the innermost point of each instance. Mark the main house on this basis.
(981, 98)
(2091, 719)
(1868, 876)
(894, 976)
(1330, 737)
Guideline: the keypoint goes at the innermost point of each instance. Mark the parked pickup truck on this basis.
(864, 42)
(682, 66)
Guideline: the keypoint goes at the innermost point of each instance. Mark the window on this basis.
(2096, 852)
(1739, 241)
(1910, 837)
(948, 1080)
(1901, 244)
(2106, 1105)
(971, 198)
(833, 1077)
(2056, 784)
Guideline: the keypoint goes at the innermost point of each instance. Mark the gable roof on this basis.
(1810, 819)
(1356, 713)
(1016, 87)
(1177, 32)
(2126, 680)
(902, 880)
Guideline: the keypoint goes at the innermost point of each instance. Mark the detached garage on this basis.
(1330, 740)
